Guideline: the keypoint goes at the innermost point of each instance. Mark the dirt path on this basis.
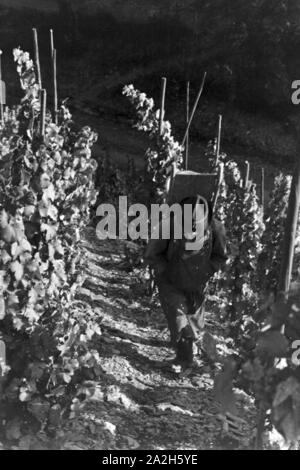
(138, 403)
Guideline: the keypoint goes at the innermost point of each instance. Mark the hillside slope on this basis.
(138, 403)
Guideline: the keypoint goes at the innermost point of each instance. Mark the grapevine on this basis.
(47, 188)
(164, 149)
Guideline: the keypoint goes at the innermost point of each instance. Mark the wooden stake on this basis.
(290, 230)
(194, 109)
(55, 99)
(170, 180)
(2, 97)
(187, 121)
(219, 139)
(51, 43)
(220, 180)
(262, 188)
(43, 101)
(247, 173)
(37, 57)
(162, 104)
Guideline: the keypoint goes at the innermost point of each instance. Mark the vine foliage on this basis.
(46, 190)
(164, 149)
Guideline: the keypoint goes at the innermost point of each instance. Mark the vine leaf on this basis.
(17, 269)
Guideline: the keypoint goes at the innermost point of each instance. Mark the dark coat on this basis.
(160, 255)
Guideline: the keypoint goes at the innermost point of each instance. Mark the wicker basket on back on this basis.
(189, 183)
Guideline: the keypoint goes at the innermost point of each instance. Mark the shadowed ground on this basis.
(138, 402)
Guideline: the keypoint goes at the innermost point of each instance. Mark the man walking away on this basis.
(181, 276)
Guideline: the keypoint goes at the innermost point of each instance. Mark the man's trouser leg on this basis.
(175, 307)
(196, 313)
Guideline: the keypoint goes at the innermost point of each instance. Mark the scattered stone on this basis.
(176, 409)
(110, 427)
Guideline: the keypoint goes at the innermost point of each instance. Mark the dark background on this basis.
(250, 50)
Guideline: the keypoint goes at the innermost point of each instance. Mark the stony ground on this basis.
(139, 403)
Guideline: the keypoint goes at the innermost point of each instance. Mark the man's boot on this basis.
(184, 356)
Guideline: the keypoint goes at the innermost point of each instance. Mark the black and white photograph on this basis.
(149, 228)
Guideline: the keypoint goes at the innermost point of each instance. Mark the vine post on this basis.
(37, 56)
(262, 189)
(219, 139)
(220, 180)
(162, 103)
(43, 101)
(55, 99)
(1, 90)
(290, 228)
(193, 110)
(51, 43)
(247, 174)
(187, 121)
(54, 74)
